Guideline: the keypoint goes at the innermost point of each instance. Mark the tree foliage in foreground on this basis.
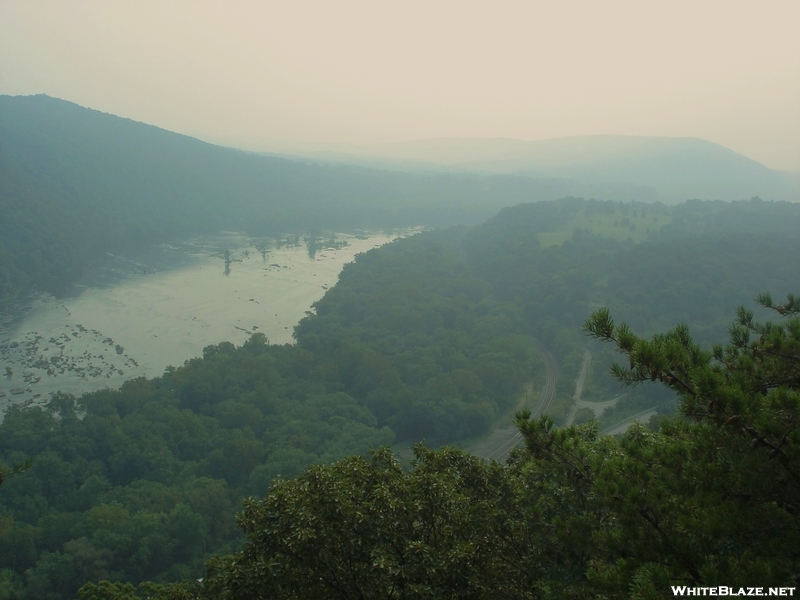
(142, 483)
(710, 498)
(452, 527)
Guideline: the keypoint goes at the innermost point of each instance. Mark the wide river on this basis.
(133, 316)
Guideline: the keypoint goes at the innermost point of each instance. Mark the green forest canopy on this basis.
(431, 337)
(704, 500)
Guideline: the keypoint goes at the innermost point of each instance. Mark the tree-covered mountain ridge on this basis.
(76, 182)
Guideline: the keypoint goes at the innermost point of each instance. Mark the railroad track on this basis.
(545, 401)
(612, 430)
(587, 359)
(543, 405)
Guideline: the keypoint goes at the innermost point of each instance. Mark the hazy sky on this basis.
(259, 72)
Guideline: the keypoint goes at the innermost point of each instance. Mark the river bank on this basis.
(134, 316)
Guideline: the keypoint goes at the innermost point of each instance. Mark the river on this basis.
(133, 316)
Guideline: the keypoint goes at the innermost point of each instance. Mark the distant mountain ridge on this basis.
(76, 182)
(678, 168)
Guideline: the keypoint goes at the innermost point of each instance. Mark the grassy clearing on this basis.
(618, 226)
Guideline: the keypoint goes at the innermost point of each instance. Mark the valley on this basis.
(516, 380)
(135, 316)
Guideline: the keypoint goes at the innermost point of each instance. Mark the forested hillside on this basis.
(109, 490)
(705, 498)
(75, 183)
(695, 263)
(429, 338)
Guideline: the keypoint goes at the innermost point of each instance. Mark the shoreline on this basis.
(159, 313)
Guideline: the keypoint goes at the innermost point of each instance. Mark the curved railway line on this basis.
(543, 405)
(587, 359)
(624, 424)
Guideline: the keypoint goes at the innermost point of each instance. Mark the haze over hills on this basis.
(75, 181)
(676, 168)
(402, 302)
(435, 336)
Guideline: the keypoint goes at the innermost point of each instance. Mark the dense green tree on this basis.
(712, 497)
(432, 337)
(708, 498)
(450, 527)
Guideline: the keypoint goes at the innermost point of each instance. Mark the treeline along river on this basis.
(135, 315)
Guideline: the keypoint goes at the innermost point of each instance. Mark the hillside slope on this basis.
(75, 182)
